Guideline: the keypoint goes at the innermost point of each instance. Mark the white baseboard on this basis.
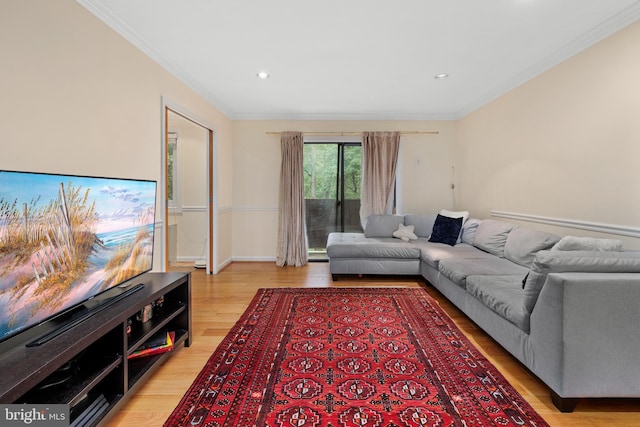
(224, 264)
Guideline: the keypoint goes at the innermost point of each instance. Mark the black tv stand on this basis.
(96, 353)
(91, 311)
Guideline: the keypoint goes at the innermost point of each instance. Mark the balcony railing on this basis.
(324, 217)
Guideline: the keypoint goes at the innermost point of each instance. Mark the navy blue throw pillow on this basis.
(446, 230)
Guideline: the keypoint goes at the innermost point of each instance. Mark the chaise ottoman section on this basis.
(356, 245)
(353, 253)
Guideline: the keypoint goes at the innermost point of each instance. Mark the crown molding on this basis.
(347, 116)
(97, 8)
(597, 34)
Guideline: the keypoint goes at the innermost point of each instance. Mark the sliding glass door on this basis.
(332, 191)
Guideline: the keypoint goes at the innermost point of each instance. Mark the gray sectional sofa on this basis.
(565, 308)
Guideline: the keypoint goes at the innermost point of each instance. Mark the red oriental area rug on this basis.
(375, 357)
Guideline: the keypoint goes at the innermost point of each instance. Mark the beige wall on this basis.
(566, 144)
(424, 174)
(79, 99)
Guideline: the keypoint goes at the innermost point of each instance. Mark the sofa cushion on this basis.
(523, 244)
(469, 230)
(491, 236)
(446, 230)
(457, 270)
(547, 262)
(432, 253)
(382, 225)
(422, 224)
(572, 243)
(356, 245)
(503, 295)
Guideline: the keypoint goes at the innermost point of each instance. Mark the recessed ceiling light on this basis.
(441, 76)
(263, 75)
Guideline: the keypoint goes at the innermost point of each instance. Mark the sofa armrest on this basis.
(585, 332)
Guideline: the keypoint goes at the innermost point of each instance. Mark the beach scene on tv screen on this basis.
(64, 239)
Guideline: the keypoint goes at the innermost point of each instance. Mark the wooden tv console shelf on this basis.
(88, 367)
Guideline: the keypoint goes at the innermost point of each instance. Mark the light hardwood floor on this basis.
(219, 300)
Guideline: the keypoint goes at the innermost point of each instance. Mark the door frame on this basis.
(212, 193)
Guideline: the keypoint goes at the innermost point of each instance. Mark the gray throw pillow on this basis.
(491, 236)
(469, 230)
(572, 243)
(382, 225)
(422, 224)
(523, 244)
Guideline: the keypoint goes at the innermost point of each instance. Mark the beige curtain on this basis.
(292, 233)
(379, 159)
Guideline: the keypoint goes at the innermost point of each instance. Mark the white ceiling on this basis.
(360, 59)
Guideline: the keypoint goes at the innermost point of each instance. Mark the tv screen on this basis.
(65, 239)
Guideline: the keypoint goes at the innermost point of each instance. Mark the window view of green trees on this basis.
(321, 169)
(326, 208)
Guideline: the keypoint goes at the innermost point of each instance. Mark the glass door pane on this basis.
(351, 178)
(332, 192)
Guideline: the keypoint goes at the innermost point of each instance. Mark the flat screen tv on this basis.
(64, 240)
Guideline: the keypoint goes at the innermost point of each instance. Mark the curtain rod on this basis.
(409, 132)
